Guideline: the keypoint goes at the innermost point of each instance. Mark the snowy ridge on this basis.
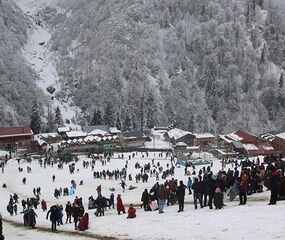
(37, 53)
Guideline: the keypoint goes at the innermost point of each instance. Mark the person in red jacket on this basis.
(120, 206)
(83, 223)
(243, 187)
(131, 211)
(44, 205)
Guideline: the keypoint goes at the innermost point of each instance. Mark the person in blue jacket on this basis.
(189, 185)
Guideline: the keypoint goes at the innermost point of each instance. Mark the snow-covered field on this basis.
(256, 220)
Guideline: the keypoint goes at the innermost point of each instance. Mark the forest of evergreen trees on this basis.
(208, 65)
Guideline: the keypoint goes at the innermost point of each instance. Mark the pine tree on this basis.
(191, 123)
(109, 117)
(118, 122)
(261, 4)
(127, 122)
(281, 80)
(97, 118)
(150, 121)
(263, 58)
(58, 121)
(36, 123)
(50, 121)
(248, 15)
(151, 108)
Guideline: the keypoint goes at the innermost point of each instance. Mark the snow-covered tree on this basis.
(109, 115)
(97, 118)
(50, 121)
(36, 122)
(58, 120)
(281, 80)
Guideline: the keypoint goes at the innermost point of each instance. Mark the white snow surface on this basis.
(232, 222)
(37, 53)
(177, 133)
(204, 135)
(234, 136)
(250, 147)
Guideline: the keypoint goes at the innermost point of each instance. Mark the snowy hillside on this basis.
(17, 86)
(202, 66)
(42, 61)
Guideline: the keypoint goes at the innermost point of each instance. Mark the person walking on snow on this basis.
(120, 206)
(162, 196)
(181, 195)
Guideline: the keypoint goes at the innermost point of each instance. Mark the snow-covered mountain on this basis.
(203, 65)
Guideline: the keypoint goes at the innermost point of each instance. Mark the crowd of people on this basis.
(207, 188)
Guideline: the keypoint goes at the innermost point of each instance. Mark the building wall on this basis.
(188, 139)
(204, 142)
(15, 139)
(280, 144)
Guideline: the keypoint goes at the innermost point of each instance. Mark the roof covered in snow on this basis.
(281, 135)
(47, 135)
(239, 136)
(15, 131)
(177, 133)
(92, 128)
(63, 129)
(76, 134)
(114, 130)
(98, 132)
(250, 147)
(204, 135)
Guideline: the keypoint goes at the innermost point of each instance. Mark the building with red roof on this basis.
(246, 143)
(15, 136)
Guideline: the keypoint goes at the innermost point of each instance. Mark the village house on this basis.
(204, 140)
(176, 135)
(14, 137)
(133, 139)
(280, 142)
(245, 143)
(100, 130)
(43, 140)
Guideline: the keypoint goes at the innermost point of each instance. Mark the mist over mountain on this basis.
(209, 65)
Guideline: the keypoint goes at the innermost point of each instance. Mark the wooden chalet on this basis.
(204, 140)
(15, 136)
(245, 143)
(279, 142)
(176, 135)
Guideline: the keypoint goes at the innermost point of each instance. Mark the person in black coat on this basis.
(275, 180)
(53, 213)
(211, 186)
(181, 195)
(1, 228)
(218, 198)
(68, 210)
(145, 199)
(76, 214)
(206, 190)
(197, 189)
